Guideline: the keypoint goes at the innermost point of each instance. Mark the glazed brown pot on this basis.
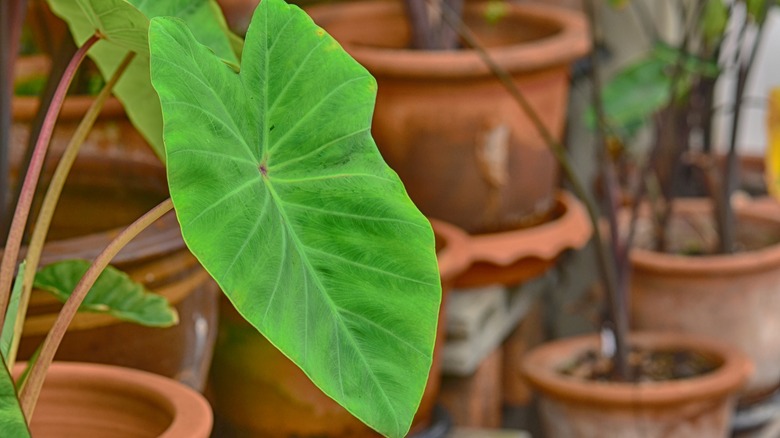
(89, 400)
(112, 136)
(464, 149)
(257, 391)
(695, 407)
(115, 180)
(735, 298)
(101, 196)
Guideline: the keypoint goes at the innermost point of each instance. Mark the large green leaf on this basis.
(113, 293)
(285, 200)
(12, 422)
(124, 27)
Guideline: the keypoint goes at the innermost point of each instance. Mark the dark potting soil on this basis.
(644, 365)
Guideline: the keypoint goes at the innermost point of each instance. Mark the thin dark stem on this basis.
(645, 20)
(32, 388)
(618, 303)
(726, 217)
(14, 241)
(429, 31)
(555, 146)
(11, 18)
(666, 150)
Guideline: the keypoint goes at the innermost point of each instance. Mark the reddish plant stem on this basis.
(32, 388)
(14, 242)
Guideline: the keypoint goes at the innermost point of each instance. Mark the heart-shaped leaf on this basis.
(12, 422)
(124, 27)
(114, 293)
(285, 200)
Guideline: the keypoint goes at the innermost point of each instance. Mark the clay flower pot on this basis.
(512, 257)
(115, 180)
(89, 400)
(257, 391)
(695, 407)
(735, 298)
(464, 149)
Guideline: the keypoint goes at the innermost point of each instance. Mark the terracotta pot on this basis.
(101, 196)
(114, 181)
(88, 400)
(513, 257)
(113, 136)
(735, 298)
(695, 407)
(463, 147)
(246, 364)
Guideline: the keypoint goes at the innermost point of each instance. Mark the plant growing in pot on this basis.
(707, 266)
(116, 178)
(590, 386)
(283, 197)
(464, 150)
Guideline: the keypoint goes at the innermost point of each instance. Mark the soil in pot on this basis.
(698, 406)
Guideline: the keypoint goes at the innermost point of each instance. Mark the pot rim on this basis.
(557, 50)
(25, 108)
(171, 396)
(571, 229)
(540, 368)
(454, 257)
(765, 258)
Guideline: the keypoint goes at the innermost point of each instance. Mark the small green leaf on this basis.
(713, 21)
(124, 27)
(495, 11)
(9, 324)
(618, 4)
(284, 198)
(756, 10)
(633, 95)
(12, 422)
(114, 293)
(643, 87)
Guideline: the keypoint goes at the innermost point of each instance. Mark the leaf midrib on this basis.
(299, 247)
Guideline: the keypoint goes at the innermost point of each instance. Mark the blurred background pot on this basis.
(735, 297)
(699, 406)
(115, 180)
(464, 149)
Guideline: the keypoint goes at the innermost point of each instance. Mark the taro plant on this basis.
(281, 194)
(672, 89)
